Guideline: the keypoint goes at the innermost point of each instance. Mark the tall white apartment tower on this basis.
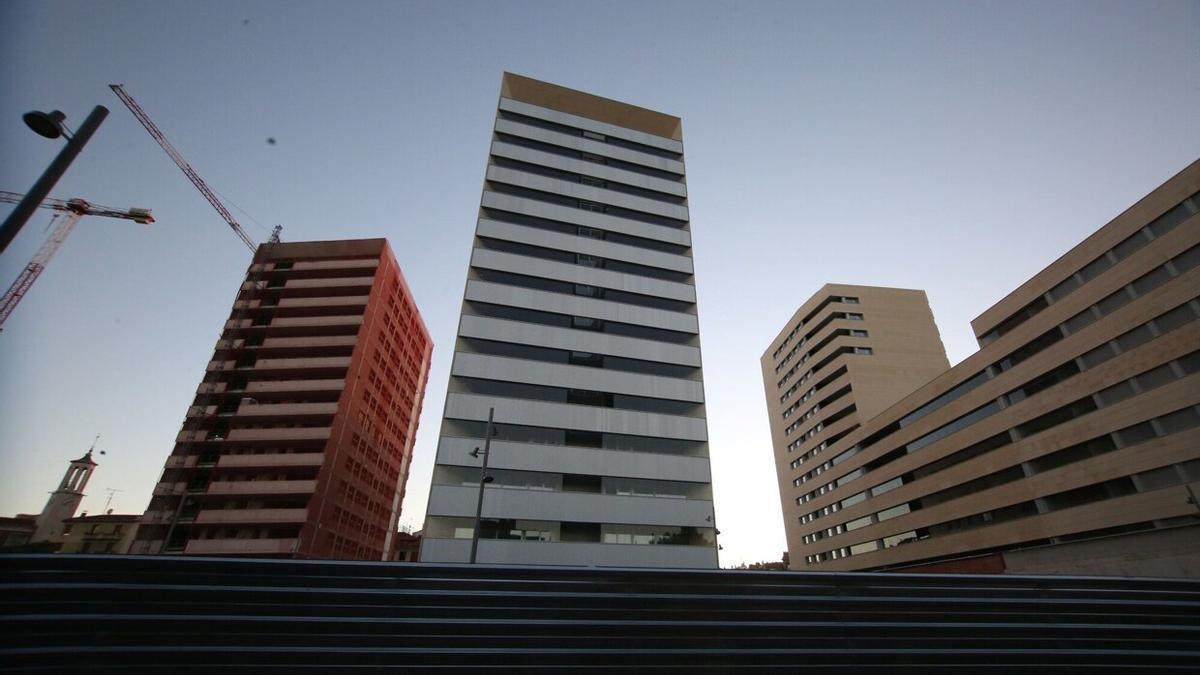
(579, 329)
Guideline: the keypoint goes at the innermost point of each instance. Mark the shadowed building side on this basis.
(300, 438)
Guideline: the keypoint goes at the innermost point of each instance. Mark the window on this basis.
(586, 359)
(584, 439)
(586, 323)
(594, 136)
(589, 291)
(863, 350)
(591, 206)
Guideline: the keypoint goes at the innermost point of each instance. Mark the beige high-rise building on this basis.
(1070, 442)
(847, 354)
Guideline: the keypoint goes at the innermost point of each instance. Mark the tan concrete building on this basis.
(300, 437)
(105, 533)
(844, 356)
(1077, 420)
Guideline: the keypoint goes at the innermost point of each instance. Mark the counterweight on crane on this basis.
(74, 209)
(187, 169)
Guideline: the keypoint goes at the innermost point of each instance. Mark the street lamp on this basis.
(49, 125)
(484, 479)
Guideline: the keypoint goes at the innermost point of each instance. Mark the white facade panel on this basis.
(511, 552)
(488, 328)
(577, 305)
(533, 181)
(530, 110)
(603, 171)
(489, 367)
(640, 177)
(579, 507)
(567, 459)
(578, 417)
(582, 274)
(585, 245)
(576, 142)
(574, 216)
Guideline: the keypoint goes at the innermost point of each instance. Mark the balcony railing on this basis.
(262, 487)
(251, 516)
(239, 546)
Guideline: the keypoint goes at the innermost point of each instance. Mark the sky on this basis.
(955, 147)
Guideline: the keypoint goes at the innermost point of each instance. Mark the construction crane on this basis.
(187, 169)
(74, 209)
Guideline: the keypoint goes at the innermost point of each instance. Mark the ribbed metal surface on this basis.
(170, 614)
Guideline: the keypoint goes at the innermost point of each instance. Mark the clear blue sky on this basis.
(956, 147)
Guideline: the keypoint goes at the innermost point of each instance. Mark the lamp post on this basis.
(484, 479)
(49, 125)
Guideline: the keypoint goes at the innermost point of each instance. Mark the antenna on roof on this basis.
(111, 492)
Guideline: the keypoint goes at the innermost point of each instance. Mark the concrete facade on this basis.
(107, 533)
(844, 356)
(1078, 418)
(300, 437)
(579, 329)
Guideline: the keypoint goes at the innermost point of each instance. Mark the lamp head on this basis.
(488, 479)
(45, 124)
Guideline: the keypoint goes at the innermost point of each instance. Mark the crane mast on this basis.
(73, 209)
(183, 165)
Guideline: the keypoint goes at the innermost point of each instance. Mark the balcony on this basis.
(307, 321)
(271, 460)
(326, 301)
(267, 386)
(157, 518)
(284, 364)
(298, 322)
(176, 462)
(587, 507)
(239, 546)
(255, 410)
(211, 388)
(335, 282)
(201, 411)
(309, 342)
(251, 516)
(192, 436)
(510, 552)
(262, 487)
(365, 263)
(280, 434)
(302, 363)
(145, 547)
(169, 488)
(269, 435)
(568, 459)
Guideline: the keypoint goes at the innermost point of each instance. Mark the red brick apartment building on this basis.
(299, 440)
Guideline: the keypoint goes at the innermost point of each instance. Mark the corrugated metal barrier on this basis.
(173, 614)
